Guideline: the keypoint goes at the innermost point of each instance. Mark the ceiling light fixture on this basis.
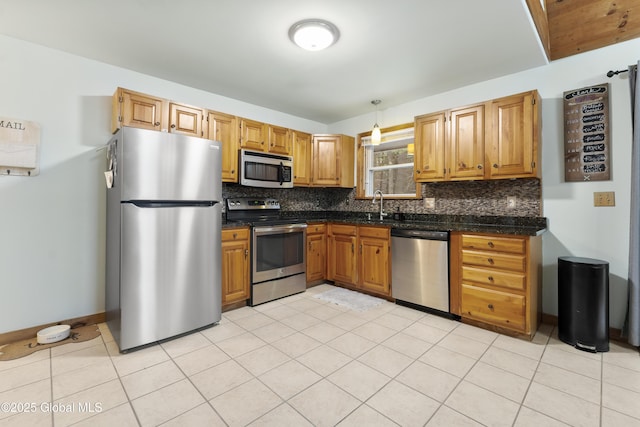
(375, 132)
(314, 34)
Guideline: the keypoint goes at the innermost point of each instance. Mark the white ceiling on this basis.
(396, 51)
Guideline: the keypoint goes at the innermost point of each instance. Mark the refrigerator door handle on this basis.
(170, 204)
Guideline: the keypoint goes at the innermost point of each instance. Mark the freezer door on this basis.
(165, 166)
(170, 271)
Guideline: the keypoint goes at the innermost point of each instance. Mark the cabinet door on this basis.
(316, 256)
(326, 154)
(185, 120)
(374, 265)
(253, 135)
(342, 261)
(513, 137)
(429, 152)
(301, 158)
(140, 111)
(279, 140)
(235, 271)
(223, 128)
(465, 147)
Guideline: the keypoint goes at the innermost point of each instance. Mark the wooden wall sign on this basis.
(587, 156)
(19, 147)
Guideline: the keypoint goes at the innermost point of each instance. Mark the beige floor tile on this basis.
(72, 361)
(107, 336)
(283, 415)
(38, 392)
(262, 359)
(202, 415)
(394, 321)
(273, 332)
(199, 360)
(220, 379)
(324, 404)
(562, 406)
(166, 403)
(26, 360)
(279, 312)
(255, 321)
(238, 313)
(323, 332)
(622, 355)
(519, 346)
(569, 382)
(151, 379)
(510, 362)
(359, 380)
(301, 321)
(83, 378)
(351, 344)
(269, 305)
(289, 379)
(475, 333)
(104, 396)
(324, 360)
(482, 405)
(25, 374)
(430, 381)
(406, 344)
(365, 416)
(622, 377)
(503, 383)
(346, 321)
(306, 305)
(71, 346)
(324, 312)
(574, 362)
(30, 419)
(621, 400)
(447, 417)
(616, 419)
(185, 344)
(463, 345)
(449, 361)
(121, 416)
(239, 406)
(530, 418)
(374, 332)
(296, 345)
(386, 360)
(140, 359)
(403, 405)
(240, 344)
(407, 313)
(222, 332)
(439, 322)
(424, 332)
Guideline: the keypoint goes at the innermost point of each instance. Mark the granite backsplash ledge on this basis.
(462, 198)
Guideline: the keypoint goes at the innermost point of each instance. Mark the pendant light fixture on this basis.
(375, 132)
(314, 34)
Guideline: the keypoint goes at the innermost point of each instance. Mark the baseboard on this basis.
(24, 334)
(614, 333)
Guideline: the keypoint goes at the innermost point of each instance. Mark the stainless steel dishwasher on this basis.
(420, 268)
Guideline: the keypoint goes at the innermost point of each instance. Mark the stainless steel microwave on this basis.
(258, 169)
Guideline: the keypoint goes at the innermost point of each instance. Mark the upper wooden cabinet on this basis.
(224, 128)
(136, 109)
(253, 135)
(186, 120)
(493, 140)
(333, 161)
(279, 140)
(302, 151)
(515, 130)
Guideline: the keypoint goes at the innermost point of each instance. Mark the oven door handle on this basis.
(278, 229)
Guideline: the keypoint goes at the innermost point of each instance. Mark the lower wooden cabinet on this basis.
(359, 256)
(497, 281)
(235, 265)
(316, 252)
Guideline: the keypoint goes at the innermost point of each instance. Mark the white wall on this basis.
(576, 227)
(52, 226)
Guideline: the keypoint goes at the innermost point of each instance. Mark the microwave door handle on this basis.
(281, 173)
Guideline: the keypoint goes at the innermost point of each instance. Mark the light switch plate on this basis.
(604, 198)
(511, 202)
(429, 202)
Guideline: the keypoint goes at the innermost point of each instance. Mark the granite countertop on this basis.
(525, 226)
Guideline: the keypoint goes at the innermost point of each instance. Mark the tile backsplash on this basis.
(451, 198)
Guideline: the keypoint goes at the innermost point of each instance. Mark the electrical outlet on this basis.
(429, 202)
(511, 202)
(604, 198)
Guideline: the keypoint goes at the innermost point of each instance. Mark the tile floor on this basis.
(300, 361)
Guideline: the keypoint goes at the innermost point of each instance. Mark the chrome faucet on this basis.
(382, 212)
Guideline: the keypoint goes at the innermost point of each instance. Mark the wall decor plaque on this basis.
(587, 155)
(19, 147)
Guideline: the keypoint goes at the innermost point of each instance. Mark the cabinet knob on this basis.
(235, 235)
(426, 167)
(495, 165)
(246, 253)
(262, 143)
(490, 244)
(463, 165)
(173, 126)
(156, 124)
(490, 261)
(233, 171)
(479, 166)
(490, 307)
(490, 278)
(417, 171)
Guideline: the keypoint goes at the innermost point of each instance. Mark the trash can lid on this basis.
(580, 260)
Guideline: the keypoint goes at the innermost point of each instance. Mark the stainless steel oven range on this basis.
(278, 257)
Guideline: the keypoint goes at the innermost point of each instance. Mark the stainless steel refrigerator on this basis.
(163, 235)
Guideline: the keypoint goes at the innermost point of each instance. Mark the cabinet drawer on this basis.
(316, 228)
(349, 230)
(494, 243)
(376, 232)
(504, 279)
(499, 308)
(494, 260)
(235, 234)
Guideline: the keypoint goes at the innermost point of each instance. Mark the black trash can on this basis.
(583, 303)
